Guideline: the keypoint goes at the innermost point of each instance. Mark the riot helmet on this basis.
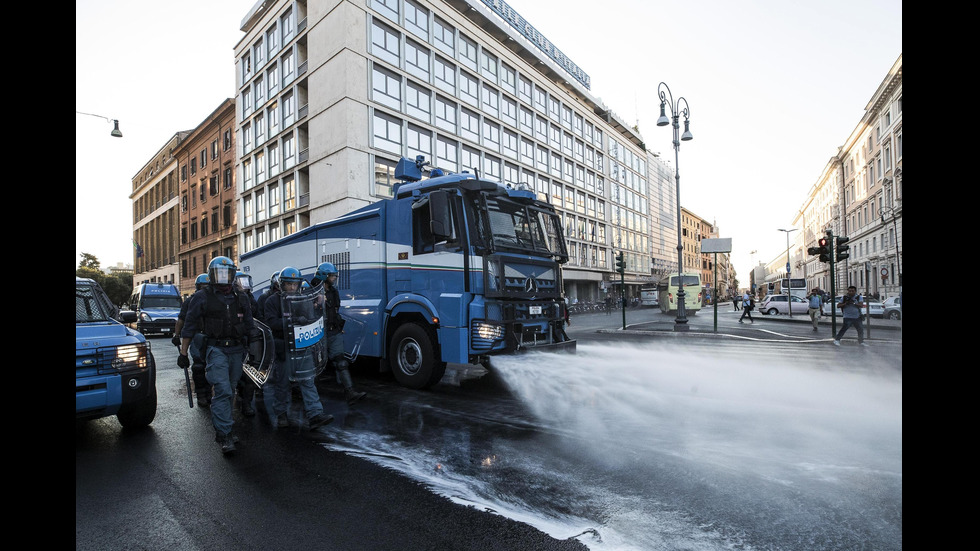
(323, 271)
(274, 282)
(244, 282)
(221, 271)
(290, 280)
(201, 282)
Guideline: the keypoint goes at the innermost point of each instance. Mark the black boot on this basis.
(318, 421)
(343, 376)
(246, 390)
(226, 441)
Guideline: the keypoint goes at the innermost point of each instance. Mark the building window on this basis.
(418, 102)
(228, 173)
(445, 114)
(467, 51)
(228, 216)
(384, 177)
(273, 200)
(417, 19)
(469, 125)
(417, 60)
(491, 135)
(387, 133)
(488, 65)
(248, 209)
(469, 88)
(419, 142)
(289, 194)
(443, 36)
(447, 152)
(491, 101)
(384, 42)
(387, 7)
(288, 152)
(445, 75)
(387, 88)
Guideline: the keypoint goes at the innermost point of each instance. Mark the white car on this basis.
(776, 304)
(893, 308)
(875, 308)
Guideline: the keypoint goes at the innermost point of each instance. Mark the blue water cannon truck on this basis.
(452, 268)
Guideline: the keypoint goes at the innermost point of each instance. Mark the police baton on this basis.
(187, 379)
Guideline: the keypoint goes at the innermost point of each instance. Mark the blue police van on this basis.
(115, 373)
(157, 306)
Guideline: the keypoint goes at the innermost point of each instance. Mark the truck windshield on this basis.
(88, 307)
(524, 228)
(161, 302)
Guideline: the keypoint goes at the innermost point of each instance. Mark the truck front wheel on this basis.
(139, 414)
(414, 360)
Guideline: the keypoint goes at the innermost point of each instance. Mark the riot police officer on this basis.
(327, 274)
(280, 318)
(224, 315)
(273, 289)
(246, 388)
(201, 386)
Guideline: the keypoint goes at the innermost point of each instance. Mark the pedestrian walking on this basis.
(815, 299)
(851, 305)
(735, 301)
(224, 315)
(748, 304)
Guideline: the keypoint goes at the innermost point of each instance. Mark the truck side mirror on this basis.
(440, 219)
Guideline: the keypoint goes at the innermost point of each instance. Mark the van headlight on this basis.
(145, 317)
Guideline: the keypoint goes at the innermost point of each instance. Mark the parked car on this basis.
(776, 304)
(875, 308)
(893, 308)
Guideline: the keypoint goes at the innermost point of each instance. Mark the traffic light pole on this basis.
(833, 287)
(622, 295)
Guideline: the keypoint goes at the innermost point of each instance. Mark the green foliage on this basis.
(117, 286)
(89, 261)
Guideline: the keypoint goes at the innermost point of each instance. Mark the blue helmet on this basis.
(222, 271)
(305, 285)
(290, 275)
(201, 282)
(324, 270)
(244, 281)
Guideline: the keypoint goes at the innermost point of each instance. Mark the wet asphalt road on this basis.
(169, 487)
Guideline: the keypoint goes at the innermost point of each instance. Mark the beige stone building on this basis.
(155, 217)
(859, 195)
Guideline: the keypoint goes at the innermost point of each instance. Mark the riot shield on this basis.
(304, 332)
(261, 356)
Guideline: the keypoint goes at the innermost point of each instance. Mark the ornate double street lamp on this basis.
(667, 100)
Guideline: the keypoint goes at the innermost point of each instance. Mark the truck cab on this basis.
(157, 306)
(115, 373)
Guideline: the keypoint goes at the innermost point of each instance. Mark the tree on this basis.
(89, 261)
(118, 287)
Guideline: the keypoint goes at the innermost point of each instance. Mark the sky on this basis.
(774, 88)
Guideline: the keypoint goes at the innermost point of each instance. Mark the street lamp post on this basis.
(667, 100)
(115, 131)
(789, 274)
(896, 278)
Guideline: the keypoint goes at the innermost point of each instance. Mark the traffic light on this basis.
(620, 263)
(823, 250)
(842, 249)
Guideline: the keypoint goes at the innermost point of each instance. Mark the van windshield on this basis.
(162, 303)
(688, 280)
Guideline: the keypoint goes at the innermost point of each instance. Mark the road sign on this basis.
(884, 272)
